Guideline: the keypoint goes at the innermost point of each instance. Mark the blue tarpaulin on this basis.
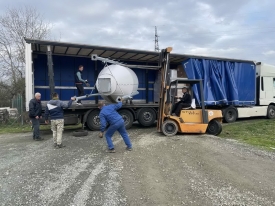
(224, 82)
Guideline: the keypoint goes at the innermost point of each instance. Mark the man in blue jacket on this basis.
(54, 109)
(109, 114)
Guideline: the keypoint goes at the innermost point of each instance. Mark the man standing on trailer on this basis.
(79, 83)
(54, 109)
(35, 113)
(184, 102)
(109, 114)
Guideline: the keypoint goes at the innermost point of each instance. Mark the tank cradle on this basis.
(128, 98)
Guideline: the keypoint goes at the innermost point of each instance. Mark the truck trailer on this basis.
(51, 66)
(241, 89)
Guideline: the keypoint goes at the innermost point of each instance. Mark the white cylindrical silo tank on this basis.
(116, 81)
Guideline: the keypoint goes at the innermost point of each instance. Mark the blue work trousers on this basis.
(120, 127)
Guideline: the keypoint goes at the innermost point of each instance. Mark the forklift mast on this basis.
(164, 63)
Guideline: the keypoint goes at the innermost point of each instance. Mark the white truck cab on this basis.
(266, 75)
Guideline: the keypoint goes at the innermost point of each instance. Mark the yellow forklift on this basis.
(191, 119)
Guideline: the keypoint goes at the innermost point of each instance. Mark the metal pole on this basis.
(22, 121)
(94, 57)
(204, 114)
(50, 70)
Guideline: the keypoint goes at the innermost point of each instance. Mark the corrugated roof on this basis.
(123, 54)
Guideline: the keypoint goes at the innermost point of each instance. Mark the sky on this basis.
(241, 29)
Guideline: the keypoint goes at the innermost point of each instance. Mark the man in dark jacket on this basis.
(54, 109)
(184, 102)
(109, 115)
(35, 113)
(79, 83)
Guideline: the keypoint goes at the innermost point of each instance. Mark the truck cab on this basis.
(266, 87)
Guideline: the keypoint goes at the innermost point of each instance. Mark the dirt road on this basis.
(183, 170)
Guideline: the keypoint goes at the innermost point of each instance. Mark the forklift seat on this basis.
(193, 105)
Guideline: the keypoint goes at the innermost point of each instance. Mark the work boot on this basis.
(129, 148)
(111, 150)
(60, 146)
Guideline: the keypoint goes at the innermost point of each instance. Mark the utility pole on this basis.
(156, 40)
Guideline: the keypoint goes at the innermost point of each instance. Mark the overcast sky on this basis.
(242, 29)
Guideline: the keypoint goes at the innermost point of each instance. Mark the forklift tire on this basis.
(271, 112)
(214, 127)
(230, 114)
(169, 128)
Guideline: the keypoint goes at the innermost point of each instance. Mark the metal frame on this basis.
(95, 57)
(28, 75)
(146, 86)
(191, 82)
(50, 69)
(178, 58)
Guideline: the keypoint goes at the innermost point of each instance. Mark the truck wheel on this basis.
(146, 117)
(169, 128)
(230, 114)
(93, 121)
(271, 112)
(214, 127)
(127, 117)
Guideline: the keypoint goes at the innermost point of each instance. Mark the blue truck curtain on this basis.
(224, 82)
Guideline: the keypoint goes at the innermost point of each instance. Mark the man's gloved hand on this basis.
(100, 135)
(87, 85)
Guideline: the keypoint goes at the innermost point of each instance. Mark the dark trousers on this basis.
(120, 127)
(80, 90)
(35, 125)
(178, 106)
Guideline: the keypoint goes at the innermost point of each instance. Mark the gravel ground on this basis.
(182, 170)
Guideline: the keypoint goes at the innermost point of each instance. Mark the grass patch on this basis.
(18, 128)
(254, 132)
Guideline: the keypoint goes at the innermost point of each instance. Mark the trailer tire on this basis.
(127, 117)
(169, 128)
(230, 114)
(93, 121)
(271, 112)
(80, 133)
(214, 127)
(146, 117)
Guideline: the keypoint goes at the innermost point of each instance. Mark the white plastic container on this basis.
(115, 81)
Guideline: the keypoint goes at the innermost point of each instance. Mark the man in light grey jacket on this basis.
(79, 83)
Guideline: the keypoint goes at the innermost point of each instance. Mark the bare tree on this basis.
(15, 25)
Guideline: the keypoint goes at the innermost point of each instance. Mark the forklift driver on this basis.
(184, 102)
